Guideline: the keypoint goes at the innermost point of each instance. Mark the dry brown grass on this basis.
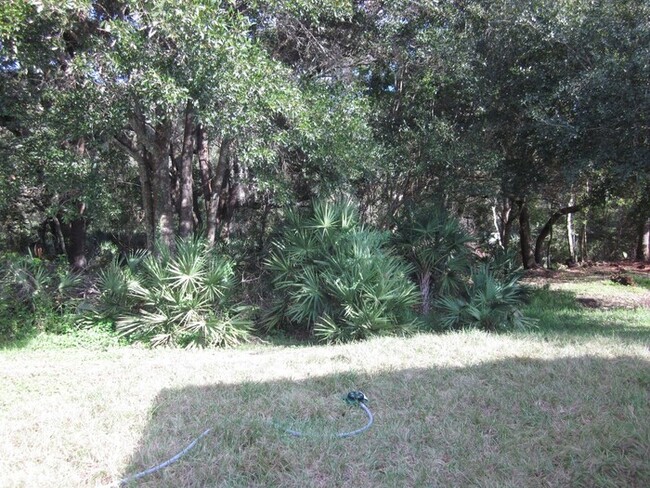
(464, 409)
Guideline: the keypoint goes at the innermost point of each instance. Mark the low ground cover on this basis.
(565, 404)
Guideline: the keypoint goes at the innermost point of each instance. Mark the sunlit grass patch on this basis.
(603, 287)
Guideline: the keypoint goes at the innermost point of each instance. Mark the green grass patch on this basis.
(642, 281)
(99, 337)
(460, 409)
(564, 404)
(582, 309)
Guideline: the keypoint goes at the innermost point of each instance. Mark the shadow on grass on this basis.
(560, 312)
(517, 422)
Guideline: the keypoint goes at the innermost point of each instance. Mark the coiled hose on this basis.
(353, 398)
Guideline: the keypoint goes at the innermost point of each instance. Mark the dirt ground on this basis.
(606, 285)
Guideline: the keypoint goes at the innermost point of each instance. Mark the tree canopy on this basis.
(141, 120)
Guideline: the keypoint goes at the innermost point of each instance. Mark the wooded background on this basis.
(131, 121)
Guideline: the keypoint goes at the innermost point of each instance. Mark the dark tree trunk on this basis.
(216, 187)
(264, 221)
(186, 215)
(145, 167)
(235, 196)
(59, 239)
(198, 218)
(139, 152)
(527, 258)
(154, 141)
(174, 177)
(76, 247)
(548, 227)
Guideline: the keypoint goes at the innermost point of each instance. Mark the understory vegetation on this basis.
(327, 277)
(203, 173)
(227, 214)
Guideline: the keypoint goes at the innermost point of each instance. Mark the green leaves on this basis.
(435, 243)
(334, 279)
(181, 299)
(486, 303)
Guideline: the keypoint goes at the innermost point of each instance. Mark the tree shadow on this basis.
(576, 421)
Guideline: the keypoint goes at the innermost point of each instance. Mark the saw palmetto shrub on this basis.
(335, 280)
(435, 244)
(488, 301)
(184, 298)
(458, 289)
(36, 295)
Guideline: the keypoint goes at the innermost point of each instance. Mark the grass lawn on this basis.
(566, 404)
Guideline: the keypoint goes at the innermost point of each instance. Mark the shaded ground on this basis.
(601, 285)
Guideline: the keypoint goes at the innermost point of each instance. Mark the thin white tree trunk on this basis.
(498, 229)
(570, 233)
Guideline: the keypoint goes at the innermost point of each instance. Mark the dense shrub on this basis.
(436, 245)
(36, 295)
(334, 280)
(487, 301)
(458, 290)
(184, 298)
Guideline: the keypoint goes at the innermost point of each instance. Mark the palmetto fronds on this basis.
(487, 303)
(435, 243)
(179, 299)
(334, 279)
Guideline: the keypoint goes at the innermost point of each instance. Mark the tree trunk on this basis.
(145, 166)
(76, 247)
(548, 248)
(548, 227)
(527, 258)
(154, 140)
(161, 188)
(425, 290)
(570, 234)
(583, 242)
(234, 197)
(203, 151)
(138, 150)
(174, 177)
(508, 218)
(186, 215)
(498, 229)
(59, 241)
(643, 241)
(216, 186)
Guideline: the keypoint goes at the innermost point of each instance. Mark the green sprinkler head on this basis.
(356, 397)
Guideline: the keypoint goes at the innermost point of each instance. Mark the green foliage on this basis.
(486, 303)
(436, 244)
(487, 296)
(36, 295)
(333, 278)
(504, 264)
(174, 299)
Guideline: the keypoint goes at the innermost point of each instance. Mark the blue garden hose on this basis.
(353, 398)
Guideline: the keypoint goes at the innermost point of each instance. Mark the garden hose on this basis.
(353, 398)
